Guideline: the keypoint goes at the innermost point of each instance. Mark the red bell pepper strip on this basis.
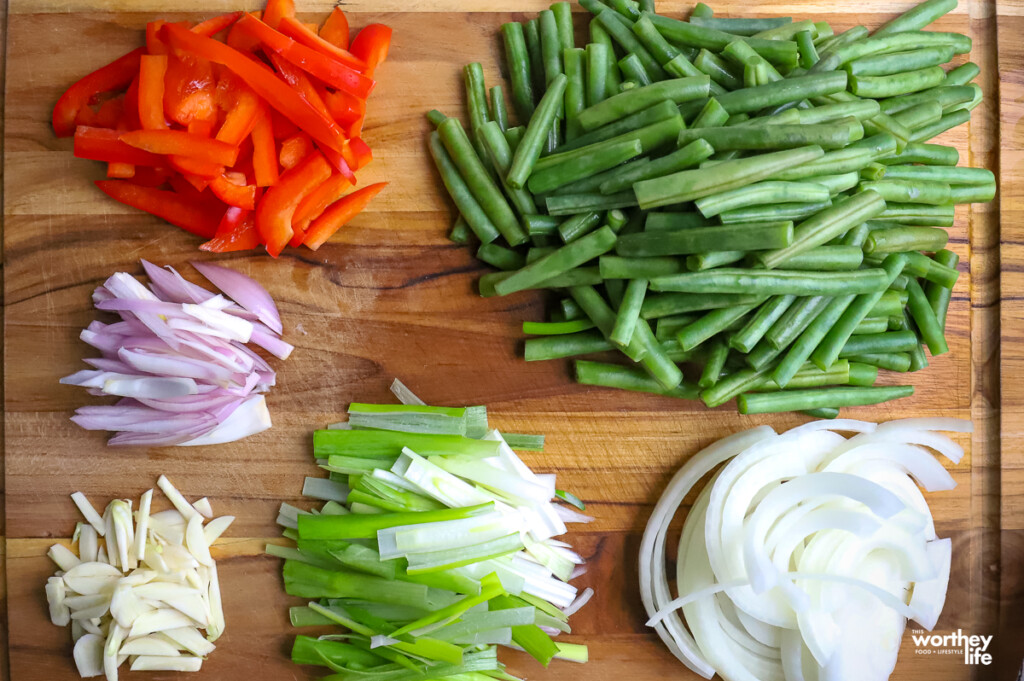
(343, 210)
(317, 201)
(240, 118)
(152, 70)
(300, 34)
(188, 186)
(344, 108)
(294, 149)
(130, 116)
(172, 207)
(191, 166)
(339, 163)
(275, 210)
(154, 43)
(263, 81)
(335, 29)
(109, 114)
(104, 144)
(181, 143)
(232, 190)
(277, 10)
(215, 25)
(264, 150)
(115, 76)
(236, 232)
(361, 151)
(150, 177)
(330, 71)
(202, 128)
(189, 90)
(371, 45)
(120, 171)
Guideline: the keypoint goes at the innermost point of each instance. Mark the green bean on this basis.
(666, 221)
(793, 322)
(575, 70)
(570, 309)
(686, 157)
(800, 400)
(597, 73)
(621, 30)
(479, 181)
(538, 77)
(919, 116)
(920, 191)
(557, 328)
(568, 345)
(593, 183)
(893, 361)
(713, 364)
(629, 312)
(861, 110)
(665, 304)
(871, 325)
(718, 69)
(761, 193)
(823, 31)
(826, 225)
(632, 68)
(662, 111)
(950, 175)
(626, 103)
(702, 11)
(435, 117)
(779, 211)
(873, 171)
(788, 31)
(538, 252)
(751, 334)
(821, 412)
(898, 62)
(712, 323)
(689, 185)
(514, 136)
(569, 204)
(921, 266)
(500, 156)
(808, 53)
(890, 305)
(713, 115)
(468, 206)
(928, 154)
(699, 262)
(517, 59)
(785, 91)
(745, 27)
(898, 84)
(787, 117)
(500, 257)
(646, 6)
(656, 360)
(663, 51)
(742, 53)
(905, 238)
(563, 20)
(618, 267)
(916, 17)
(499, 112)
(555, 175)
(627, 378)
(945, 96)
(617, 220)
(782, 52)
(594, 6)
(628, 9)
(732, 385)
(836, 258)
(918, 214)
(604, 317)
(918, 359)
(770, 137)
(809, 339)
(772, 282)
(836, 183)
(855, 237)
(541, 225)
(562, 260)
(460, 232)
(892, 341)
(578, 225)
(668, 327)
(973, 103)
(903, 42)
(938, 295)
(962, 74)
(755, 236)
(863, 374)
(850, 36)
(528, 153)
(476, 103)
(924, 317)
(947, 122)
(551, 46)
(809, 376)
(580, 276)
(832, 163)
(960, 193)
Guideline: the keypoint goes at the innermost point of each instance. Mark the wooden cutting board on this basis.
(390, 296)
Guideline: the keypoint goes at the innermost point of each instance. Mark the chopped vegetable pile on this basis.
(140, 590)
(806, 553)
(178, 358)
(436, 544)
(249, 140)
(755, 200)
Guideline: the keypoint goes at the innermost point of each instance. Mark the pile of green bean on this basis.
(753, 199)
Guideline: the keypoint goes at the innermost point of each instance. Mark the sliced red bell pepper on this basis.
(197, 182)
(263, 81)
(371, 45)
(154, 43)
(189, 186)
(150, 177)
(202, 128)
(361, 151)
(339, 163)
(181, 143)
(330, 71)
(264, 150)
(130, 118)
(242, 41)
(170, 206)
(215, 25)
(294, 149)
(232, 190)
(335, 29)
(191, 166)
(240, 118)
(120, 171)
(275, 210)
(343, 210)
(317, 201)
(277, 10)
(189, 89)
(104, 144)
(300, 34)
(236, 232)
(344, 108)
(152, 70)
(109, 114)
(115, 76)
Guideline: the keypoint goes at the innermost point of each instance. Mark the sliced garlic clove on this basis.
(195, 540)
(88, 655)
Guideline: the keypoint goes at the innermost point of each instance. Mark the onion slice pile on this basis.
(140, 586)
(179, 358)
(807, 552)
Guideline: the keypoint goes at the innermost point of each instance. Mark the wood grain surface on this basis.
(390, 296)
